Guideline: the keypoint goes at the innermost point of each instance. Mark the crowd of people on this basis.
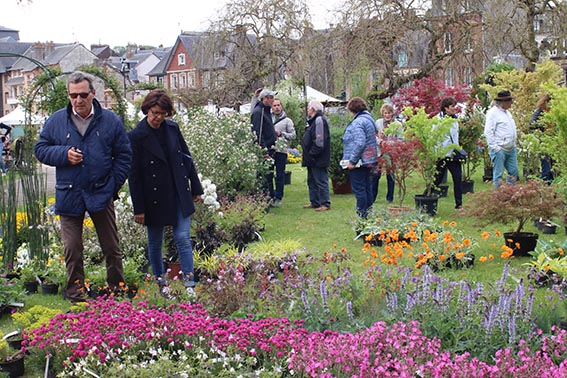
(94, 156)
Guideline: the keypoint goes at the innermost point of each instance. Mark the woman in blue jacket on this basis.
(163, 185)
(360, 154)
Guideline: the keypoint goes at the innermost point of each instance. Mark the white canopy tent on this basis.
(18, 117)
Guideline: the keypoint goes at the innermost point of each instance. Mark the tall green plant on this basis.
(8, 217)
(34, 190)
(431, 133)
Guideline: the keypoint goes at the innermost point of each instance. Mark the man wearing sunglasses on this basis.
(91, 152)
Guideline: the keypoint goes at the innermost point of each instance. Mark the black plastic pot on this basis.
(521, 242)
(467, 186)
(426, 204)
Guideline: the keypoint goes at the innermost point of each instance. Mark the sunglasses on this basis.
(83, 94)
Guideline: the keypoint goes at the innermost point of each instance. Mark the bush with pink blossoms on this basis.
(109, 337)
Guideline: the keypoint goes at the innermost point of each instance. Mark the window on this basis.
(449, 77)
(182, 80)
(448, 42)
(181, 59)
(402, 59)
(173, 81)
(468, 44)
(467, 76)
(160, 80)
(206, 78)
(191, 80)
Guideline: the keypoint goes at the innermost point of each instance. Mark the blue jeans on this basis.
(390, 185)
(318, 183)
(280, 159)
(182, 239)
(361, 184)
(504, 159)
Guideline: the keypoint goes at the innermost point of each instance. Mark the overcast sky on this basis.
(117, 22)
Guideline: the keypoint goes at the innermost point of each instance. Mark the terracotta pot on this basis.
(521, 242)
(399, 210)
(341, 188)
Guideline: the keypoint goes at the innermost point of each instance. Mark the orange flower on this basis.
(460, 255)
(442, 257)
(445, 223)
(467, 242)
(368, 237)
(343, 250)
(497, 233)
(482, 259)
(334, 246)
(452, 224)
(491, 257)
(485, 235)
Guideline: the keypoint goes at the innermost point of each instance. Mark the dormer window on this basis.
(181, 59)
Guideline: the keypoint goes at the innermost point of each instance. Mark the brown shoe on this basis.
(323, 208)
(308, 206)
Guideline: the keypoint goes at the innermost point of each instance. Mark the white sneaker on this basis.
(190, 292)
(166, 292)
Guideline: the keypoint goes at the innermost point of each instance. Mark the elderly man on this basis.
(263, 127)
(316, 157)
(500, 133)
(91, 152)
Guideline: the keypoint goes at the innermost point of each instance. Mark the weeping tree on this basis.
(256, 42)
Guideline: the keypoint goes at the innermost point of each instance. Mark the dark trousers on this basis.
(390, 185)
(318, 183)
(456, 170)
(280, 160)
(72, 235)
(361, 184)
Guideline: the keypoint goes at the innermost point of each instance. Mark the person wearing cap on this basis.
(263, 128)
(500, 132)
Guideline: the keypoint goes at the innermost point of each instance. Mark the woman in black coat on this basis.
(163, 185)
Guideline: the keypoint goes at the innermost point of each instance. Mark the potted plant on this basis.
(517, 203)
(29, 277)
(11, 360)
(430, 132)
(55, 275)
(470, 134)
(400, 158)
(338, 175)
(11, 294)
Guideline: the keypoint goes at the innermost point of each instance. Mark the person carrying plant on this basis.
(285, 132)
(500, 132)
(452, 160)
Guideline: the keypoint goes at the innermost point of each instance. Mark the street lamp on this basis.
(125, 71)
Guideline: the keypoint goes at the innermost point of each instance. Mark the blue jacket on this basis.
(94, 183)
(162, 181)
(359, 140)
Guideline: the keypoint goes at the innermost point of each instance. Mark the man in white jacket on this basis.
(500, 133)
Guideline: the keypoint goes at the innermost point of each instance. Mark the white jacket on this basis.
(500, 129)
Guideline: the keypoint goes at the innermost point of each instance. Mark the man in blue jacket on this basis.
(91, 152)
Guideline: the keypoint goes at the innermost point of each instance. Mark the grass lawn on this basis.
(319, 231)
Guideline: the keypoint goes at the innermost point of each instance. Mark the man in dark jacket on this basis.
(263, 128)
(91, 152)
(316, 157)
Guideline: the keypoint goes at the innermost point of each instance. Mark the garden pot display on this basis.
(31, 287)
(467, 186)
(426, 204)
(287, 177)
(14, 340)
(443, 190)
(49, 288)
(341, 188)
(521, 242)
(14, 367)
